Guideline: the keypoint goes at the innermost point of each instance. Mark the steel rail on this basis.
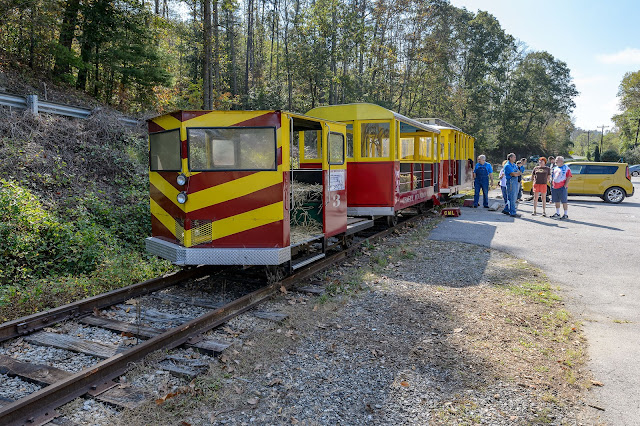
(43, 402)
(31, 323)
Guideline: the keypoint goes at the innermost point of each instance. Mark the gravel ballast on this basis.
(410, 332)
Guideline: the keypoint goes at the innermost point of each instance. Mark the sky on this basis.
(599, 41)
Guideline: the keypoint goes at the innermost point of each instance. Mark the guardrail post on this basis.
(32, 103)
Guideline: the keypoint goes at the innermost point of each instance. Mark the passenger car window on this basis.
(336, 148)
(576, 169)
(349, 140)
(601, 170)
(407, 148)
(374, 139)
(232, 148)
(312, 148)
(164, 151)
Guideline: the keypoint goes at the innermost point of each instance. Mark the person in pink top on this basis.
(560, 178)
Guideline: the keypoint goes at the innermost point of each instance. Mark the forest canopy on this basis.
(421, 58)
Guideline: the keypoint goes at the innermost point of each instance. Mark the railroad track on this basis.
(61, 386)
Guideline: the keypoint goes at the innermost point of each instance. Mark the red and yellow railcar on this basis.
(455, 158)
(221, 185)
(391, 159)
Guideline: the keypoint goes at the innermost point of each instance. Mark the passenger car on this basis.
(609, 181)
(634, 170)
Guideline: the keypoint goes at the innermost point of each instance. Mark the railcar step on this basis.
(272, 316)
(305, 261)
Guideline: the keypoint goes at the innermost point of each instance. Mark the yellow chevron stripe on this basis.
(168, 122)
(166, 188)
(163, 217)
(247, 220)
(230, 190)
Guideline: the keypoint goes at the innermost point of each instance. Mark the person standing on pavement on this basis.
(522, 164)
(559, 189)
(482, 174)
(552, 164)
(503, 185)
(540, 177)
(512, 172)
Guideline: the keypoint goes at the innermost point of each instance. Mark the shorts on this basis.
(559, 195)
(540, 187)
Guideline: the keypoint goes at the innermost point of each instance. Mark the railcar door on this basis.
(334, 212)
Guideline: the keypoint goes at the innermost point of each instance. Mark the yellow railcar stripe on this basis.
(166, 188)
(163, 217)
(248, 220)
(222, 118)
(168, 122)
(233, 189)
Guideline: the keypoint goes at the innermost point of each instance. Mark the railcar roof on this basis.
(367, 111)
(439, 123)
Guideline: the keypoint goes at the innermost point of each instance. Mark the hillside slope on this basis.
(74, 209)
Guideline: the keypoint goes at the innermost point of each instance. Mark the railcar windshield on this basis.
(232, 148)
(164, 151)
(375, 140)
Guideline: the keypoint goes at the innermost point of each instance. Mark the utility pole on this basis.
(588, 142)
(637, 130)
(602, 138)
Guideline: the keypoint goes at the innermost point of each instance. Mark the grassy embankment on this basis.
(74, 210)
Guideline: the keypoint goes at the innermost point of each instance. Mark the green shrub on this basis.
(610, 155)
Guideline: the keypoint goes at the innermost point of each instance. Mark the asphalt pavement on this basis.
(594, 258)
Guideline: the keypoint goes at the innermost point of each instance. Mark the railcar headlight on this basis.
(182, 197)
(181, 179)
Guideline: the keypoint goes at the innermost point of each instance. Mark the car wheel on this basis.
(636, 174)
(614, 195)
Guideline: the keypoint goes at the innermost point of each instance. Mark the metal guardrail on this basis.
(32, 103)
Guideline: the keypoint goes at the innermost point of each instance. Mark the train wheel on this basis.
(347, 241)
(275, 273)
(392, 220)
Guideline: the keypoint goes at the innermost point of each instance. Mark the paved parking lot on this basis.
(594, 256)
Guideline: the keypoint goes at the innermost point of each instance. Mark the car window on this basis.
(576, 169)
(601, 170)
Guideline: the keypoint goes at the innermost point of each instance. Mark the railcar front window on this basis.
(374, 140)
(232, 148)
(164, 151)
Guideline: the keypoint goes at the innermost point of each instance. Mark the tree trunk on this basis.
(207, 97)
(249, 48)
(67, 33)
(333, 95)
(216, 56)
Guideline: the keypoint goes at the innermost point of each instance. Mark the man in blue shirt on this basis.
(482, 173)
(512, 171)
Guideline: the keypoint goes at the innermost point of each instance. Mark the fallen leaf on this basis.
(596, 383)
(315, 308)
(183, 423)
(257, 367)
(457, 330)
(127, 310)
(237, 389)
(404, 383)
(283, 289)
(252, 401)
(274, 382)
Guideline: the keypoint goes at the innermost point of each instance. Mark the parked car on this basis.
(609, 181)
(635, 170)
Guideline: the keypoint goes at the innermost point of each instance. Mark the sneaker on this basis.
(486, 207)
(534, 214)
(555, 216)
(475, 207)
(544, 215)
(564, 216)
(504, 212)
(516, 215)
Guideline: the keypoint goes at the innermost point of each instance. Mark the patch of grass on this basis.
(617, 321)
(537, 291)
